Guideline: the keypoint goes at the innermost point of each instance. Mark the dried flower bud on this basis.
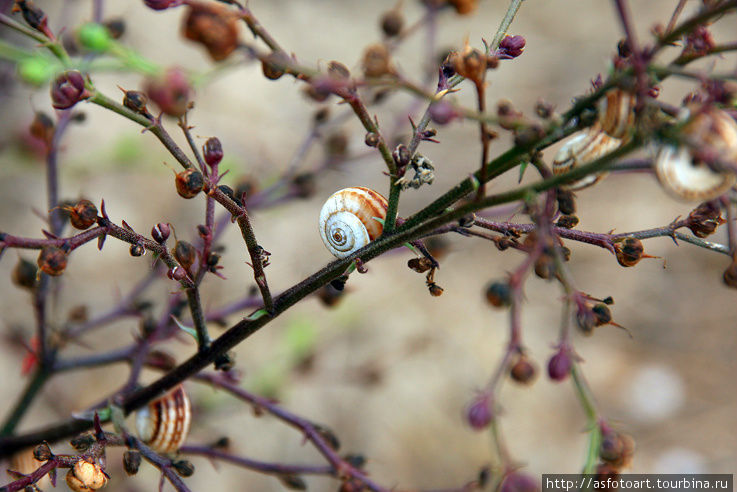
(137, 250)
(83, 442)
(52, 261)
(372, 139)
(83, 214)
(443, 112)
(566, 201)
(68, 89)
(86, 476)
(42, 452)
(730, 275)
(116, 27)
(212, 151)
(376, 61)
(616, 449)
(401, 155)
(602, 314)
(392, 22)
(213, 26)
(136, 101)
(567, 221)
(184, 253)
(434, 289)
(329, 295)
(545, 266)
(629, 252)
(34, 16)
(183, 467)
(479, 413)
(189, 183)
(274, 65)
(292, 482)
(586, 320)
(560, 365)
(161, 4)
(304, 185)
(24, 274)
(170, 91)
(499, 294)
(160, 232)
(420, 265)
(519, 482)
(511, 47)
(464, 7)
(471, 64)
(224, 362)
(523, 371)
(42, 127)
(131, 461)
(705, 219)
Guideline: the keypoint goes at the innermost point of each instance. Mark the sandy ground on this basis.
(394, 368)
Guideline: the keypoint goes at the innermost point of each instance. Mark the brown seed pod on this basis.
(164, 423)
(52, 261)
(213, 26)
(348, 220)
(189, 183)
(681, 171)
(629, 252)
(83, 214)
(185, 253)
(86, 476)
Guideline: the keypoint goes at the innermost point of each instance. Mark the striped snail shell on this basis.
(164, 424)
(348, 220)
(678, 168)
(583, 148)
(617, 113)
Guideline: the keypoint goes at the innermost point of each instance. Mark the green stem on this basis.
(587, 402)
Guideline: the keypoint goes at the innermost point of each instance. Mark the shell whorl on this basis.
(348, 220)
(583, 148)
(681, 173)
(164, 423)
(617, 113)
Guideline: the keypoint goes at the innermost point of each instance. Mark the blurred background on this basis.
(390, 369)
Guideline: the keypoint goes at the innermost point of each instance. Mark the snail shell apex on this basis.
(678, 168)
(348, 220)
(164, 423)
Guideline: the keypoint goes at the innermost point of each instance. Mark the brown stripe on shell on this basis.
(617, 113)
(169, 418)
(368, 204)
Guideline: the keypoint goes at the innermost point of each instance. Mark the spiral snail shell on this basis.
(615, 119)
(164, 423)
(350, 219)
(679, 169)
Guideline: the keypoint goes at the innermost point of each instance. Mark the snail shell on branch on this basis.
(350, 219)
(682, 174)
(617, 113)
(164, 424)
(583, 148)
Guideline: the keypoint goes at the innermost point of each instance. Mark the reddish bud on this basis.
(523, 371)
(519, 482)
(170, 92)
(68, 89)
(511, 47)
(177, 273)
(442, 112)
(160, 232)
(479, 412)
(161, 4)
(560, 365)
(212, 151)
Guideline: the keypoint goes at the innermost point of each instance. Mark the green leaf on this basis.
(185, 328)
(257, 314)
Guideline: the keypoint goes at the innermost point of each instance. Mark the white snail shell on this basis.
(348, 220)
(617, 113)
(585, 147)
(164, 423)
(679, 171)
